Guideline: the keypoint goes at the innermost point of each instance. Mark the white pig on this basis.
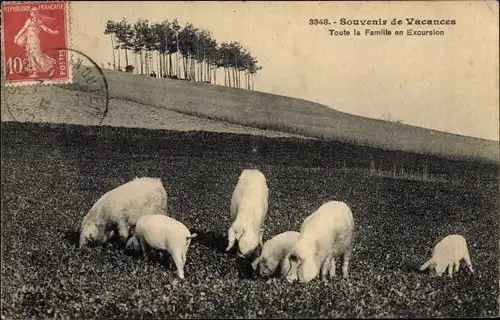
(447, 254)
(162, 233)
(274, 252)
(120, 208)
(324, 235)
(248, 211)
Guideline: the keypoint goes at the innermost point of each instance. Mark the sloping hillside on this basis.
(140, 101)
(291, 115)
(53, 104)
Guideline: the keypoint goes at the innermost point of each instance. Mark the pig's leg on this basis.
(346, 257)
(232, 238)
(179, 260)
(332, 268)
(468, 262)
(450, 269)
(144, 248)
(325, 267)
(439, 270)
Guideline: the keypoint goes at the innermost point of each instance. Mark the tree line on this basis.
(187, 53)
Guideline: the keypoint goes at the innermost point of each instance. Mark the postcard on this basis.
(249, 159)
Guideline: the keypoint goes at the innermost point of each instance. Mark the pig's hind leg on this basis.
(346, 258)
(179, 258)
(146, 250)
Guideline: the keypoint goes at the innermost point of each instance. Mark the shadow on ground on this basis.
(212, 240)
(73, 238)
(218, 242)
(245, 270)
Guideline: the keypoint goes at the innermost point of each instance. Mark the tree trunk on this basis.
(200, 70)
(113, 47)
(207, 72)
(126, 57)
(170, 64)
(167, 64)
(119, 64)
(140, 60)
(234, 77)
(163, 67)
(148, 63)
(177, 53)
(178, 64)
(167, 50)
(193, 69)
(159, 64)
(143, 61)
(135, 63)
(190, 66)
(185, 68)
(236, 72)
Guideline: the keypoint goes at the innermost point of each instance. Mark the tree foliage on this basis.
(165, 49)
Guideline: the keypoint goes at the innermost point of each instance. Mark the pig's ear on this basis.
(261, 236)
(255, 263)
(287, 265)
(427, 264)
(83, 240)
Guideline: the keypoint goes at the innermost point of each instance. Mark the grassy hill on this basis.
(140, 101)
(290, 115)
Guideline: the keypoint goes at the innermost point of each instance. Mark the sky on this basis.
(447, 83)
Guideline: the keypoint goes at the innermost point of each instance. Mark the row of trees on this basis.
(169, 50)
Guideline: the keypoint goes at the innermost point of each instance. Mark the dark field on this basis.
(50, 180)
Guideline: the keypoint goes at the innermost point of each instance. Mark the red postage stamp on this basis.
(35, 41)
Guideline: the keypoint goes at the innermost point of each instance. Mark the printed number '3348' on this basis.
(318, 21)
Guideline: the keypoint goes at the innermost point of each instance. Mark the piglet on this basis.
(447, 255)
(274, 252)
(160, 232)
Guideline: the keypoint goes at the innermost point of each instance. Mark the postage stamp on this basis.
(41, 104)
(35, 36)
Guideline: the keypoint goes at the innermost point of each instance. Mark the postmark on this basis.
(31, 32)
(84, 101)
